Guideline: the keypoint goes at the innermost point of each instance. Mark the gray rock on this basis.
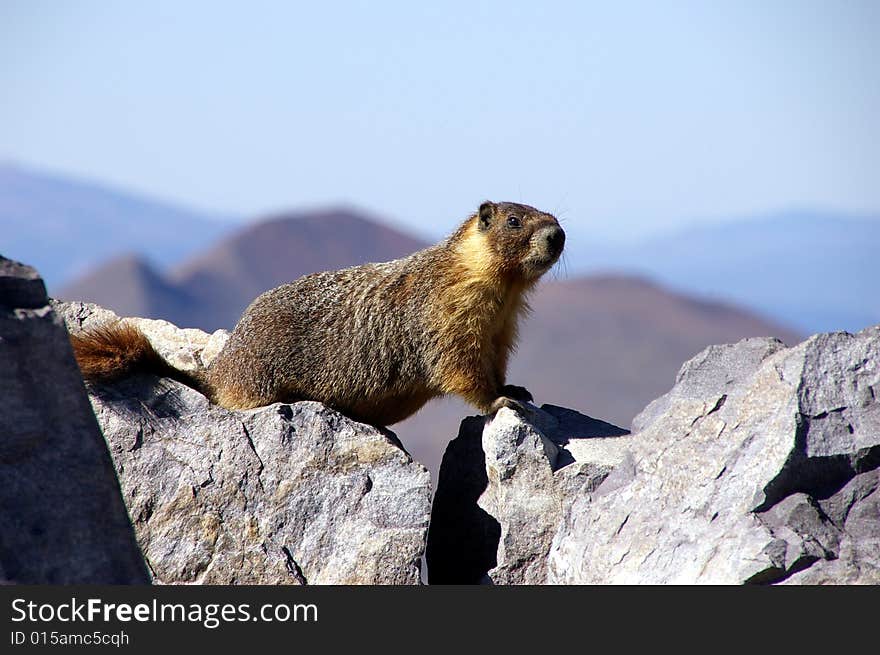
(62, 519)
(761, 465)
(21, 286)
(854, 513)
(186, 348)
(502, 490)
(282, 494)
(758, 466)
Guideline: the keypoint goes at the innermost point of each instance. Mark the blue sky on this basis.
(624, 118)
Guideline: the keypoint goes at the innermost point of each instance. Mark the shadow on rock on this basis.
(462, 538)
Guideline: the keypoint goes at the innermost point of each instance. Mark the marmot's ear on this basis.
(487, 212)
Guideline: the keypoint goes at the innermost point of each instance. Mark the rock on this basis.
(292, 493)
(62, 519)
(21, 287)
(502, 490)
(760, 465)
(851, 516)
(185, 348)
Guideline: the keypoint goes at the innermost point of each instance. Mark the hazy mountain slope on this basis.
(66, 227)
(228, 276)
(605, 345)
(213, 289)
(131, 287)
(814, 271)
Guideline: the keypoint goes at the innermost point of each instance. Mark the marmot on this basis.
(376, 341)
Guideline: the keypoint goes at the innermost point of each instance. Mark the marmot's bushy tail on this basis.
(110, 352)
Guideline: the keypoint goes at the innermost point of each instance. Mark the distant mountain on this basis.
(605, 345)
(229, 275)
(66, 227)
(212, 289)
(132, 287)
(814, 271)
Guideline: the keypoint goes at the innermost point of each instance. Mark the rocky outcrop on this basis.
(504, 485)
(759, 466)
(292, 493)
(62, 519)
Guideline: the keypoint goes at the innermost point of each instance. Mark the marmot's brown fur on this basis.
(377, 341)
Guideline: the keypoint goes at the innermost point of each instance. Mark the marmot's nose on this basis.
(555, 239)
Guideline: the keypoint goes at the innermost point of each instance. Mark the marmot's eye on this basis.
(513, 221)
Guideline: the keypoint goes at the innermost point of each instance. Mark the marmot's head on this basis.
(528, 240)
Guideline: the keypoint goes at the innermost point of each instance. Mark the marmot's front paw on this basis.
(515, 392)
(518, 406)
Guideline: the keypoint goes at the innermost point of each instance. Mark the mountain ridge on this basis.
(67, 227)
(811, 270)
